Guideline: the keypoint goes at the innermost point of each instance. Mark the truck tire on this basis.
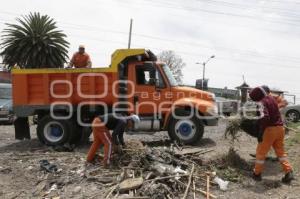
(54, 132)
(292, 116)
(187, 130)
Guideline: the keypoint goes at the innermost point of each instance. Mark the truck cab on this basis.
(163, 105)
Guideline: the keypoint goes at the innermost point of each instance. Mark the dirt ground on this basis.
(21, 176)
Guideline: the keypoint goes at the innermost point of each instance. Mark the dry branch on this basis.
(189, 183)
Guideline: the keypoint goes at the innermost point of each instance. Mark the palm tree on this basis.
(34, 42)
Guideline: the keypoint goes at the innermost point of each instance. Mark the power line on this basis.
(246, 52)
(278, 1)
(236, 6)
(225, 49)
(187, 53)
(161, 5)
(260, 28)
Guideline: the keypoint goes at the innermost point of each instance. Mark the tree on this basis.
(175, 63)
(35, 42)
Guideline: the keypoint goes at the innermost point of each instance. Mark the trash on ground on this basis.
(223, 185)
(46, 166)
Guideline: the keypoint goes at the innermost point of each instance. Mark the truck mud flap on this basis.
(22, 130)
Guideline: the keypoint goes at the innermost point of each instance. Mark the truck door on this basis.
(152, 93)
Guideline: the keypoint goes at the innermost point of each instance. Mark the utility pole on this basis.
(130, 32)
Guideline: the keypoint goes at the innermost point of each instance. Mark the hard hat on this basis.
(81, 46)
(135, 119)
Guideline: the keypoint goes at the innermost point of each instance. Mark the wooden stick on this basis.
(204, 192)
(189, 183)
(204, 180)
(167, 177)
(136, 197)
(111, 191)
(292, 129)
(194, 187)
(207, 186)
(207, 151)
(198, 190)
(133, 176)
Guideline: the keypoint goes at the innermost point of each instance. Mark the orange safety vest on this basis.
(80, 60)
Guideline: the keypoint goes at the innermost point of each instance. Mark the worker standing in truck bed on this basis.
(101, 126)
(81, 59)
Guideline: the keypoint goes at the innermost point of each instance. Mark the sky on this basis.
(257, 39)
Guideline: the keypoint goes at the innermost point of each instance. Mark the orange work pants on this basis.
(273, 137)
(101, 136)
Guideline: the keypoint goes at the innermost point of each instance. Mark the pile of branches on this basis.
(237, 125)
(160, 172)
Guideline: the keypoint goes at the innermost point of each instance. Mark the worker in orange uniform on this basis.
(101, 126)
(282, 103)
(81, 59)
(271, 134)
(101, 137)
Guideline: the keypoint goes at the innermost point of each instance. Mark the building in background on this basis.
(5, 76)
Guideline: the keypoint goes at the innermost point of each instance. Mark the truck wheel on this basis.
(187, 131)
(54, 132)
(292, 116)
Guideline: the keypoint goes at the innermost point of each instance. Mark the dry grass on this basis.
(233, 129)
(232, 166)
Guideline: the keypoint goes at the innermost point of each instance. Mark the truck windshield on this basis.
(169, 75)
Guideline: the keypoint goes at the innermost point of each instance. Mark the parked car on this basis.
(6, 110)
(292, 113)
(226, 106)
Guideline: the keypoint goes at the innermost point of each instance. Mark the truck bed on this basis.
(45, 86)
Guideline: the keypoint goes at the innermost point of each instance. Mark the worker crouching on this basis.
(101, 137)
(271, 134)
(115, 143)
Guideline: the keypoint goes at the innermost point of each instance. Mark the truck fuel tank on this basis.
(147, 125)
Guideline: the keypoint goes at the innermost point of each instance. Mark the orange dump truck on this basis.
(65, 101)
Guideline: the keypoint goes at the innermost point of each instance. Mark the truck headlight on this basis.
(212, 110)
(212, 96)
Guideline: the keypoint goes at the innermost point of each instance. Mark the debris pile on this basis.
(165, 171)
(158, 172)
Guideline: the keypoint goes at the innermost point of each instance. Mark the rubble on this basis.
(141, 171)
(77, 190)
(157, 172)
(130, 184)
